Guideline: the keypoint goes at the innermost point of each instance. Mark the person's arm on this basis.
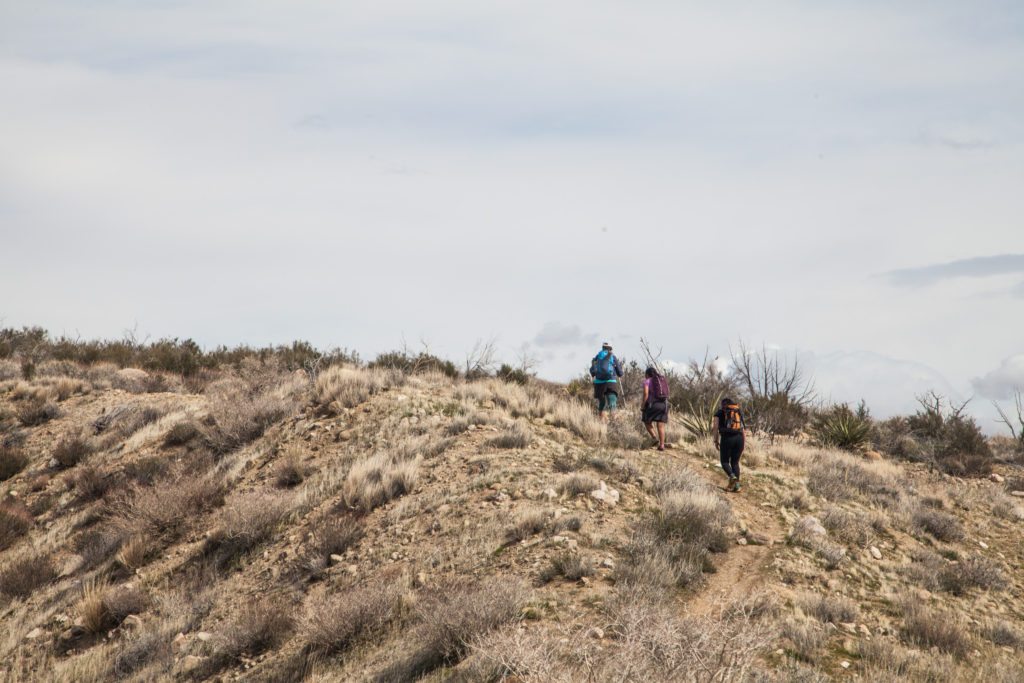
(618, 367)
(714, 431)
(647, 392)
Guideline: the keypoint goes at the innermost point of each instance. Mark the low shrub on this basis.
(181, 433)
(243, 525)
(517, 437)
(412, 364)
(696, 517)
(91, 484)
(927, 628)
(102, 608)
(335, 535)
(830, 609)
(840, 478)
(578, 483)
(37, 411)
(944, 527)
(526, 525)
(259, 626)
(241, 411)
(335, 625)
(339, 387)
(15, 521)
(165, 508)
(71, 451)
(568, 565)
(973, 571)
(289, 472)
(806, 638)
(1002, 633)
(22, 576)
(145, 471)
(12, 461)
(849, 527)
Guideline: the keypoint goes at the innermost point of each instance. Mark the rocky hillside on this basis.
(379, 526)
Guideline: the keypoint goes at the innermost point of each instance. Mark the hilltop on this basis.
(381, 524)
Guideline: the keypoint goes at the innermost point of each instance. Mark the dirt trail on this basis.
(742, 569)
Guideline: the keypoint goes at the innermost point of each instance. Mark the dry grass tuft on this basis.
(380, 478)
(839, 478)
(575, 484)
(134, 553)
(102, 608)
(65, 387)
(240, 411)
(15, 521)
(517, 437)
(22, 576)
(805, 638)
(333, 536)
(1003, 633)
(71, 451)
(165, 508)
(700, 518)
(829, 609)
(578, 419)
(805, 533)
(927, 628)
(91, 484)
(527, 524)
(341, 387)
(849, 527)
(181, 433)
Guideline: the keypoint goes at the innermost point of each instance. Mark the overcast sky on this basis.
(840, 178)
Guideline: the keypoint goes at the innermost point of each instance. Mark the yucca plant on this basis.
(698, 417)
(841, 428)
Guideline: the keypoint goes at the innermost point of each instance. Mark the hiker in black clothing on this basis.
(728, 434)
(655, 405)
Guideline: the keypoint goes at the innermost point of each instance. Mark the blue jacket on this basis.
(597, 360)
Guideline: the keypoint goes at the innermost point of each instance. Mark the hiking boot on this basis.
(660, 447)
(736, 486)
(733, 483)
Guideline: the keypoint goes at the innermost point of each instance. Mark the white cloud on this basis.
(1002, 382)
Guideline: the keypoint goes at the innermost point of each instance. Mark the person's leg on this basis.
(599, 395)
(735, 459)
(612, 399)
(650, 430)
(661, 436)
(723, 453)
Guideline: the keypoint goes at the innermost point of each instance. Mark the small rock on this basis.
(848, 627)
(1018, 494)
(814, 526)
(741, 541)
(72, 565)
(132, 621)
(863, 630)
(179, 643)
(595, 632)
(845, 664)
(352, 569)
(608, 563)
(983, 545)
(420, 580)
(72, 633)
(35, 634)
(997, 478)
(875, 552)
(188, 664)
(335, 559)
(550, 494)
(204, 636)
(872, 455)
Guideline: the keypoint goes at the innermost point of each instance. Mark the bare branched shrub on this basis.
(259, 626)
(943, 526)
(518, 436)
(243, 525)
(626, 434)
(831, 609)
(98, 544)
(23, 575)
(91, 483)
(15, 521)
(380, 478)
(145, 471)
(12, 460)
(165, 508)
(526, 525)
(568, 565)
(650, 562)
(578, 483)
(333, 536)
(925, 627)
(341, 387)
(567, 523)
(973, 571)
(345, 619)
(697, 517)
(71, 451)
(134, 553)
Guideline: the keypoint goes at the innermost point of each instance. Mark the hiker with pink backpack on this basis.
(655, 405)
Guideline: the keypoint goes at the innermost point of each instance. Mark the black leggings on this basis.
(731, 450)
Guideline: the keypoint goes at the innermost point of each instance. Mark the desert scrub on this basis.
(575, 484)
(526, 525)
(240, 411)
(927, 628)
(943, 526)
(343, 620)
(340, 387)
(12, 461)
(380, 478)
(568, 565)
(516, 437)
(242, 526)
(840, 478)
(829, 609)
(37, 411)
(842, 428)
(71, 451)
(15, 521)
(22, 576)
(259, 626)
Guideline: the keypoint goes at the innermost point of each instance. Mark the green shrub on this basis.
(840, 427)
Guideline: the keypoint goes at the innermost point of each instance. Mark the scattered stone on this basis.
(872, 455)
(845, 664)
(595, 632)
(132, 621)
(849, 627)
(188, 664)
(997, 478)
(179, 643)
(814, 526)
(420, 580)
(756, 539)
(550, 494)
(204, 636)
(875, 552)
(352, 569)
(72, 633)
(983, 545)
(335, 559)
(35, 634)
(741, 541)
(864, 630)
(1018, 494)
(605, 495)
(608, 563)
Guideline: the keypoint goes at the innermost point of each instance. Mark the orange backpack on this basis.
(732, 418)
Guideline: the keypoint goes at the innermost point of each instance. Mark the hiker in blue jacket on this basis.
(606, 369)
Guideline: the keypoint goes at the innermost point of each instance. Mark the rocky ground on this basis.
(373, 526)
